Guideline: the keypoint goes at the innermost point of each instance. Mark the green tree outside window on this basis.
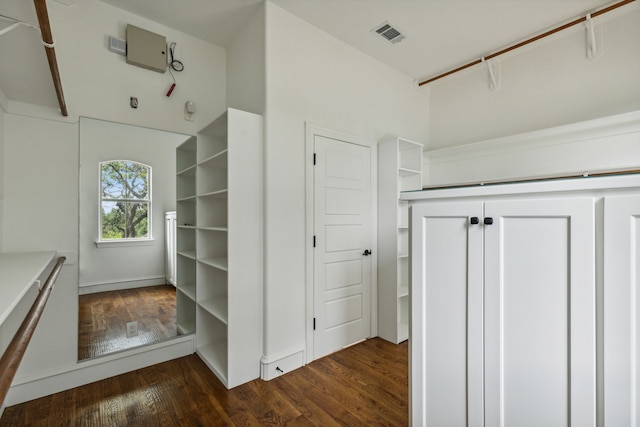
(125, 200)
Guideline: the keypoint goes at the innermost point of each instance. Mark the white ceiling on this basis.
(441, 34)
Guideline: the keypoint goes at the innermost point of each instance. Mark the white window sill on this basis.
(123, 243)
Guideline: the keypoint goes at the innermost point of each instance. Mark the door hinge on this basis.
(314, 159)
(314, 323)
(314, 241)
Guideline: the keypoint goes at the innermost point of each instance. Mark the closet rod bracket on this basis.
(494, 73)
(594, 45)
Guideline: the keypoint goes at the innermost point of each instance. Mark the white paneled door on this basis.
(621, 305)
(446, 344)
(540, 335)
(342, 229)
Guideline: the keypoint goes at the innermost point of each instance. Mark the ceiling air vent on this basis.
(389, 33)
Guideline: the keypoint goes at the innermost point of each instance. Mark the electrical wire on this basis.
(174, 63)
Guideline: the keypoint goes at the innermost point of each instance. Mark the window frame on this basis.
(125, 241)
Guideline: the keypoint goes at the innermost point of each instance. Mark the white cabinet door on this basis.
(446, 308)
(540, 313)
(621, 324)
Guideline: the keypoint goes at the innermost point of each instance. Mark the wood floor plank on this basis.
(306, 404)
(363, 385)
(103, 317)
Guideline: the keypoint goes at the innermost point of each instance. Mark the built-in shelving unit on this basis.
(186, 165)
(399, 169)
(228, 246)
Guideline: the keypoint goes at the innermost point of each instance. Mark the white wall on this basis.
(246, 66)
(98, 83)
(550, 84)
(41, 205)
(119, 267)
(41, 210)
(313, 77)
(2, 160)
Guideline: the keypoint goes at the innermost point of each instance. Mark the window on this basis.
(125, 201)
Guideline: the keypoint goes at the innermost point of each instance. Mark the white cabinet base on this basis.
(511, 318)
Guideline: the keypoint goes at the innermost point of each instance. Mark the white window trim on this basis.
(123, 242)
(143, 241)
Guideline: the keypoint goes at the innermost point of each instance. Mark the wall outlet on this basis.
(132, 329)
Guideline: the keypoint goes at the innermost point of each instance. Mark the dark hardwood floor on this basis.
(363, 385)
(103, 319)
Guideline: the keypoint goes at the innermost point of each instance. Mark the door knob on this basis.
(475, 220)
(488, 220)
(367, 252)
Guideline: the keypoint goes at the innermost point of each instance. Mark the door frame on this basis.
(311, 131)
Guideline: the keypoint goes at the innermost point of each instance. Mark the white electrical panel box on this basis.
(146, 49)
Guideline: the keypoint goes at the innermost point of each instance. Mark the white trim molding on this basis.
(139, 282)
(591, 146)
(286, 361)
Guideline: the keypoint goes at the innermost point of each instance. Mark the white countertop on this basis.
(18, 272)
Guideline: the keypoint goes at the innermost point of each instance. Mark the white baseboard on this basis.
(273, 366)
(93, 288)
(85, 372)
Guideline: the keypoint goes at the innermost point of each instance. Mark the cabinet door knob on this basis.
(475, 220)
(488, 220)
(367, 252)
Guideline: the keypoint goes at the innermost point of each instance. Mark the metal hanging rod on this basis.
(529, 41)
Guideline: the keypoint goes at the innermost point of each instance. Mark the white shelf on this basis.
(191, 198)
(229, 299)
(219, 263)
(188, 289)
(408, 172)
(399, 169)
(214, 228)
(189, 171)
(403, 291)
(219, 194)
(215, 357)
(403, 331)
(186, 328)
(218, 307)
(188, 254)
(186, 167)
(20, 270)
(217, 160)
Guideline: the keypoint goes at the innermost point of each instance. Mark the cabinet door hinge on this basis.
(314, 323)
(314, 159)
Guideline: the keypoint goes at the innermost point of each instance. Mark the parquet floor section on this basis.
(103, 318)
(363, 385)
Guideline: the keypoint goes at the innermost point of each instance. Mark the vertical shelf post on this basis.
(399, 169)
